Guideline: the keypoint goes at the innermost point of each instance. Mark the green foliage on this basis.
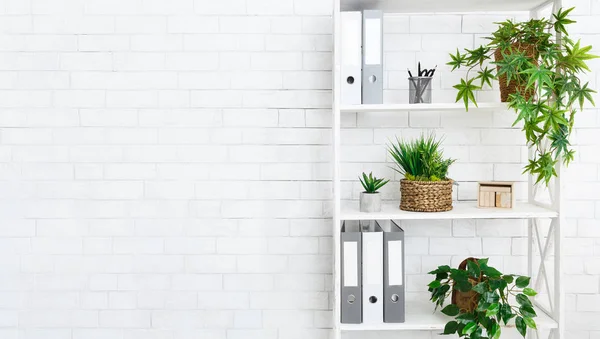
(493, 290)
(420, 159)
(372, 184)
(546, 72)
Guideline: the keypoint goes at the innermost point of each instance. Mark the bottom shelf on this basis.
(421, 317)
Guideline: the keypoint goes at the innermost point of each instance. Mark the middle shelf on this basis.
(461, 210)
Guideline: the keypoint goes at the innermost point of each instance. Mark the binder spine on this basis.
(351, 279)
(351, 70)
(372, 78)
(394, 277)
(373, 276)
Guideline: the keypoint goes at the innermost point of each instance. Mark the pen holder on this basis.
(419, 90)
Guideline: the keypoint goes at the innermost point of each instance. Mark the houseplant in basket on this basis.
(370, 199)
(539, 76)
(425, 187)
(482, 299)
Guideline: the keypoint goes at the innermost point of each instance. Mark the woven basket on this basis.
(426, 196)
(507, 89)
(466, 301)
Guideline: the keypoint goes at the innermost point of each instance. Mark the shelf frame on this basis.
(546, 245)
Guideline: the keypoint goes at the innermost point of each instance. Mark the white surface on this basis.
(421, 316)
(455, 6)
(461, 210)
(395, 258)
(372, 267)
(351, 38)
(350, 263)
(373, 41)
(459, 106)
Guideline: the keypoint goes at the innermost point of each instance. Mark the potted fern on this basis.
(370, 198)
(426, 186)
(539, 76)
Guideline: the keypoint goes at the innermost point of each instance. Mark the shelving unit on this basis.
(536, 210)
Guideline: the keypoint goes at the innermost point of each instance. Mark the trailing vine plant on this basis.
(541, 73)
(493, 298)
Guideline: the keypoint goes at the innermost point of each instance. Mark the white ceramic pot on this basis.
(370, 202)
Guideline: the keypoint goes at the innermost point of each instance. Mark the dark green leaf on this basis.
(521, 326)
(522, 299)
(522, 282)
(527, 311)
(435, 284)
(473, 269)
(481, 287)
(490, 271)
(506, 313)
(451, 327)
(508, 278)
(451, 310)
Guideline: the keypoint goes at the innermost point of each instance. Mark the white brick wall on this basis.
(164, 168)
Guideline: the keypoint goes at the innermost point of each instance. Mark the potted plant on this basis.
(370, 199)
(425, 187)
(539, 77)
(482, 299)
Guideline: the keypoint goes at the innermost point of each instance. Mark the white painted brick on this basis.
(227, 7)
(435, 23)
(287, 319)
(248, 282)
(125, 318)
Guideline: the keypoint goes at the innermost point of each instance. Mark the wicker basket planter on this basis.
(506, 89)
(466, 301)
(426, 196)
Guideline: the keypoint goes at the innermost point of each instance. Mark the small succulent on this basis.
(372, 184)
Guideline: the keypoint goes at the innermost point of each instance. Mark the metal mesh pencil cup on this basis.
(419, 90)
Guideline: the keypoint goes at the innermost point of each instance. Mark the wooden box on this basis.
(496, 194)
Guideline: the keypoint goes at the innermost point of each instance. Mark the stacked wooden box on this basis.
(496, 195)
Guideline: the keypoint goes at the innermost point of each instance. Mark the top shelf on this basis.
(443, 6)
(420, 107)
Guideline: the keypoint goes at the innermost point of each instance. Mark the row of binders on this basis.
(362, 57)
(372, 273)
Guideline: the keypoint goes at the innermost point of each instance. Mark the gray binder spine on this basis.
(351, 269)
(393, 275)
(372, 77)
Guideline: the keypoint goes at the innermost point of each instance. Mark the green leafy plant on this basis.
(372, 184)
(545, 71)
(420, 159)
(492, 292)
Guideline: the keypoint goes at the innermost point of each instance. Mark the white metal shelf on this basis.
(461, 210)
(439, 107)
(421, 317)
(443, 6)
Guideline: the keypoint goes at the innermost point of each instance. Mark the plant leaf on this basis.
(492, 310)
(451, 310)
(521, 326)
(522, 282)
(451, 327)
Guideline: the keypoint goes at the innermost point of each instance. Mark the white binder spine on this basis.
(372, 266)
(351, 68)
